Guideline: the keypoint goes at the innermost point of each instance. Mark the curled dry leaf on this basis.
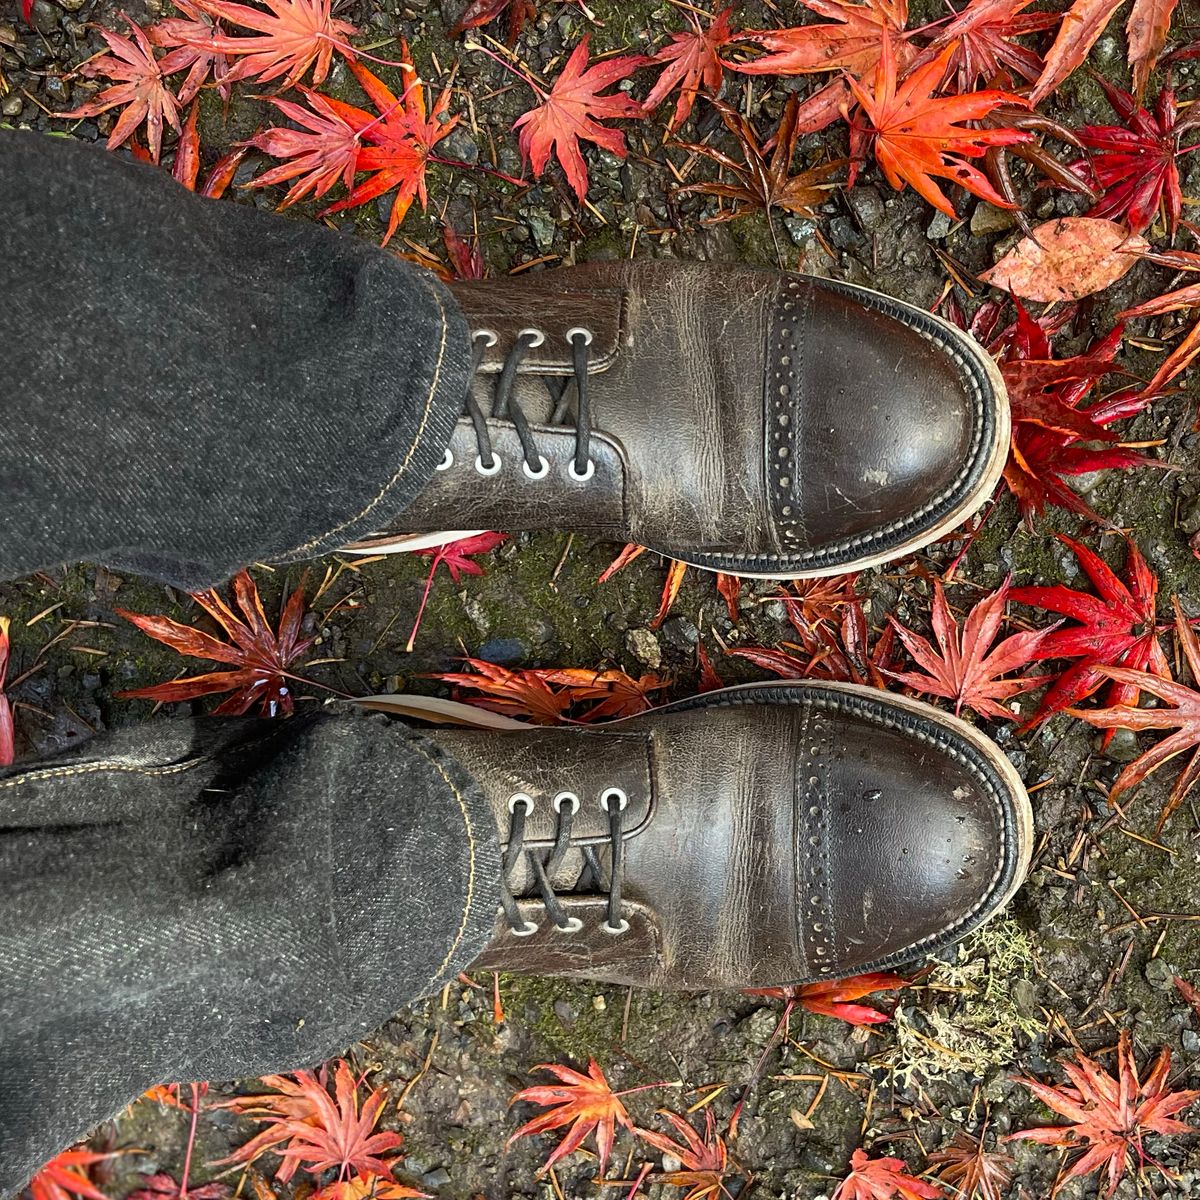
(1067, 259)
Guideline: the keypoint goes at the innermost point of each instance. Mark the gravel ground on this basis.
(1070, 963)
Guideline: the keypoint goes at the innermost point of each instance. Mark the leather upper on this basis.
(744, 420)
(772, 834)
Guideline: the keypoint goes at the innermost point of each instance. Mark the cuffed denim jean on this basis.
(202, 385)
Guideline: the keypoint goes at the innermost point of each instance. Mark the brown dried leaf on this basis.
(1067, 259)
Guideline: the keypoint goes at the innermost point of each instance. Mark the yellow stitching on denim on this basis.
(387, 487)
(91, 768)
(471, 844)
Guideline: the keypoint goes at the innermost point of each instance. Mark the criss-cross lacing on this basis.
(506, 408)
(545, 865)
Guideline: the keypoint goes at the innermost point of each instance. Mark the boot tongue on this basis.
(548, 773)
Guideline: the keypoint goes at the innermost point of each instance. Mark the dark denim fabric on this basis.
(222, 899)
(190, 385)
(193, 386)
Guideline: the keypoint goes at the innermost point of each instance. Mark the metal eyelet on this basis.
(586, 475)
(447, 462)
(614, 793)
(489, 471)
(522, 798)
(526, 930)
(573, 925)
(588, 336)
(539, 338)
(489, 337)
(616, 930)
(540, 473)
(562, 798)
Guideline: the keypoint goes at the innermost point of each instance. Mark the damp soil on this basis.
(1079, 956)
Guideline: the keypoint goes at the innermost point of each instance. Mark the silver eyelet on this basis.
(540, 473)
(562, 798)
(526, 930)
(538, 336)
(586, 475)
(586, 334)
(614, 793)
(494, 469)
(522, 798)
(447, 462)
(489, 337)
(573, 925)
(615, 930)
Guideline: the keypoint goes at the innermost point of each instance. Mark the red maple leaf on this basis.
(483, 12)
(7, 733)
(614, 693)
(316, 157)
(260, 657)
(1183, 716)
(569, 113)
(141, 89)
(340, 1135)
(1115, 628)
(835, 997)
(294, 36)
(965, 667)
(918, 135)
(27, 11)
(1048, 424)
(398, 143)
(850, 42)
(983, 37)
(464, 255)
(690, 61)
(1134, 164)
(188, 40)
(972, 1170)
(65, 1177)
(703, 1158)
(585, 1102)
(883, 1179)
(458, 558)
(1110, 1116)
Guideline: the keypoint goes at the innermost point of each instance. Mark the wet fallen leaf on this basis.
(1067, 259)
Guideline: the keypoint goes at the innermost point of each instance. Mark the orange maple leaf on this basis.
(918, 135)
(585, 1102)
(65, 1177)
(834, 997)
(850, 42)
(569, 112)
(294, 36)
(141, 89)
(965, 668)
(1110, 1116)
(883, 1179)
(692, 61)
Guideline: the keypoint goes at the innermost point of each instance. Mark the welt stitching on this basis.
(387, 487)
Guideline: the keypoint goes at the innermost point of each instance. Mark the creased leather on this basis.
(746, 420)
(774, 835)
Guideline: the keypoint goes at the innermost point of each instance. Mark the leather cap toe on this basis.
(894, 422)
(919, 837)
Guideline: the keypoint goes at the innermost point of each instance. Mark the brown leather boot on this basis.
(754, 836)
(744, 421)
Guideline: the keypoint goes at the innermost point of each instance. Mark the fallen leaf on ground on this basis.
(1111, 1117)
(689, 62)
(483, 12)
(141, 89)
(972, 1170)
(1082, 24)
(1147, 28)
(703, 1158)
(458, 557)
(1066, 259)
(883, 1179)
(569, 114)
(585, 1102)
(259, 656)
(66, 1176)
(965, 667)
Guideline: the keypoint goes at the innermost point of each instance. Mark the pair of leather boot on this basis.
(762, 424)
